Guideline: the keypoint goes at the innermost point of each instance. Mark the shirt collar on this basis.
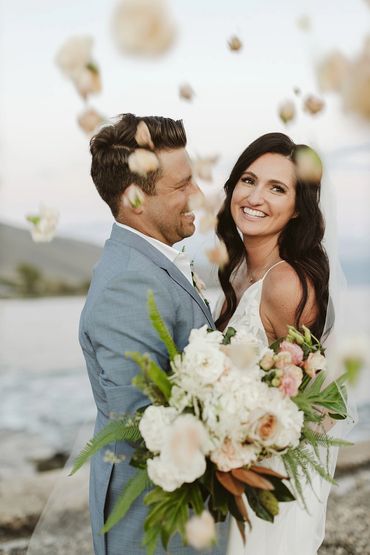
(180, 259)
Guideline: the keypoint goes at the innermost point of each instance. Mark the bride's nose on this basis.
(255, 196)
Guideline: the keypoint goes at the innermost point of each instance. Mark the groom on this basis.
(138, 256)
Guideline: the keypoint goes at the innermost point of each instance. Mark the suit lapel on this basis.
(135, 241)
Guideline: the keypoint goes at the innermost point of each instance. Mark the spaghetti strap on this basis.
(273, 266)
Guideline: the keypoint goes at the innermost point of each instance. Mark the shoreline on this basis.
(34, 500)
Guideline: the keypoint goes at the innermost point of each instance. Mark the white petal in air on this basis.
(142, 136)
(143, 27)
(143, 161)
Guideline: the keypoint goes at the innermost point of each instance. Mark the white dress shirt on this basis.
(180, 259)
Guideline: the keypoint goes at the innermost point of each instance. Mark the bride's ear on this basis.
(133, 198)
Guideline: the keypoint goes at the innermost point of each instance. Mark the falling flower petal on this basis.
(142, 136)
(332, 72)
(356, 88)
(143, 27)
(201, 531)
(142, 162)
(287, 111)
(197, 201)
(74, 55)
(218, 255)
(208, 222)
(313, 104)
(186, 92)
(44, 224)
(133, 197)
(88, 81)
(304, 23)
(202, 167)
(297, 91)
(89, 120)
(235, 44)
(308, 164)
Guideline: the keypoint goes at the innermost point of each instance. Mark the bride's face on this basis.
(263, 200)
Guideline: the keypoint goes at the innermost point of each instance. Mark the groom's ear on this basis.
(133, 198)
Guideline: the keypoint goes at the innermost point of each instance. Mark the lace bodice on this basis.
(247, 313)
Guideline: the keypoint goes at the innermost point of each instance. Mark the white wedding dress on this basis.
(294, 531)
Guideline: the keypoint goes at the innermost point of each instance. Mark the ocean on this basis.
(44, 389)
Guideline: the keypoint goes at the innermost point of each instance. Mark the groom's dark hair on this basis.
(113, 144)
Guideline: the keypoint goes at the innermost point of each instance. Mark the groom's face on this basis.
(166, 214)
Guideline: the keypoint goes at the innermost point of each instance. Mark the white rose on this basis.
(201, 531)
(162, 475)
(155, 425)
(234, 455)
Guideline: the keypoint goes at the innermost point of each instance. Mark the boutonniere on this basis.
(198, 283)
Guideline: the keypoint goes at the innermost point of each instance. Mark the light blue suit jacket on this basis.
(113, 321)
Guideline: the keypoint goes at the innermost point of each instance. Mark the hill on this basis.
(62, 261)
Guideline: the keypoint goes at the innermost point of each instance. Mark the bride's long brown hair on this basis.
(300, 242)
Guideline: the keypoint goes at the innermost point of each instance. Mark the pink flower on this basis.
(315, 361)
(291, 380)
(283, 359)
(295, 351)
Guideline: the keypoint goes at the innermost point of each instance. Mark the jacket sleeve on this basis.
(120, 323)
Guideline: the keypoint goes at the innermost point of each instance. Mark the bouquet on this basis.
(228, 407)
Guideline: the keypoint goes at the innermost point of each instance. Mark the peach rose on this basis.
(295, 351)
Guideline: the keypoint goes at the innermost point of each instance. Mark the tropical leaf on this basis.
(160, 326)
(126, 429)
(134, 487)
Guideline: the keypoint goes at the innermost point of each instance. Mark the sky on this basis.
(44, 156)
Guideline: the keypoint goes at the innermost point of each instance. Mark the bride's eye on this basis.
(248, 180)
(278, 189)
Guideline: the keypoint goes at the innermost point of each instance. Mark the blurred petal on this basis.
(186, 92)
(313, 104)
(218, 255)
(142, 162)
(89, 120)
(287, 111)
(143, 27)
(203, 166)
(74, 55)
(332, 71)
(304, 23)
(142, 136)
(308, 164)
(235, 44)
(208, 222)
(133, 197)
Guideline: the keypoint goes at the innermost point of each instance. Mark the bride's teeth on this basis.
(252, 212)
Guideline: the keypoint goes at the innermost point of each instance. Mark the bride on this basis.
(277, 274)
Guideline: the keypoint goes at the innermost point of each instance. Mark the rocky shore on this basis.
(30, 502)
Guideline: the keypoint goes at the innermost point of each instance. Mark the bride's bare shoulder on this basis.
(281, 295)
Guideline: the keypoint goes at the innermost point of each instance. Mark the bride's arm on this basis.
(281, 295)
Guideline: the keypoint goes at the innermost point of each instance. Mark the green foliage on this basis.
(134, 487)
(169, 512)
(230, 332)
(126, 429)
(153, 374)
(302, 461)
(332, 397)
(160, 327)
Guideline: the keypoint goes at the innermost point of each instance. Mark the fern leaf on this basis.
(117, 430)
(153, 372)
(160, 327)
(292, 468)
(134, 487)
